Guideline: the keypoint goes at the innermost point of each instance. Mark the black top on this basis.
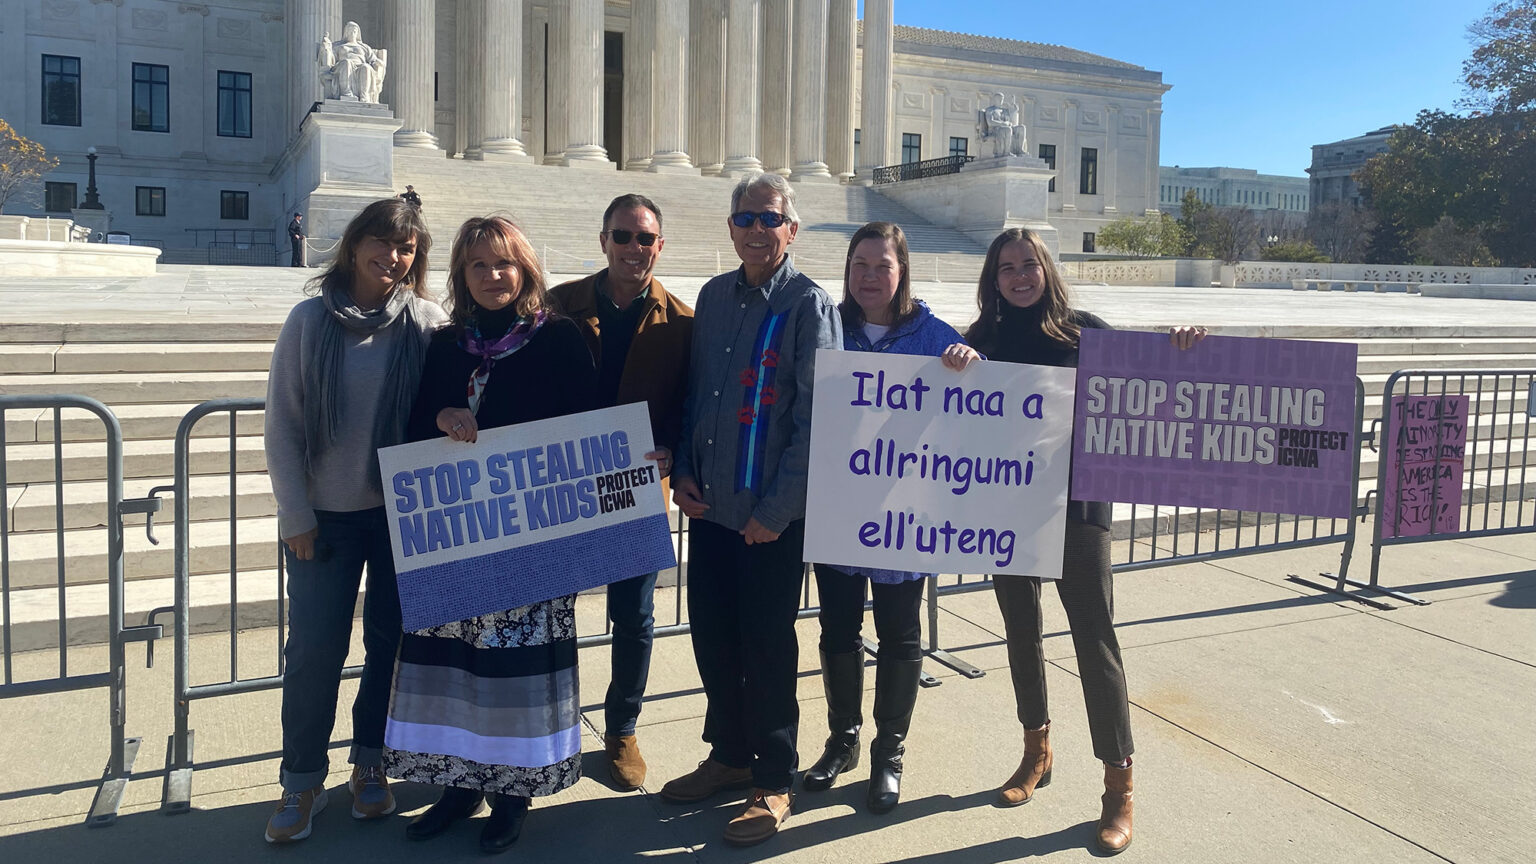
(616, 327)
(1021, 340)
(550, 376)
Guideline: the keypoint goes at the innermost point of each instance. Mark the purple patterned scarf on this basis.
(489, 351)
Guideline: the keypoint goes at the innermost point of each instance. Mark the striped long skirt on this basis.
(490, 703)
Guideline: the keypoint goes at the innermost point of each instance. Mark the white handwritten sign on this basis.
(916, 467)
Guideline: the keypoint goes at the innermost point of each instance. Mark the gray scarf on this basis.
(323, 378)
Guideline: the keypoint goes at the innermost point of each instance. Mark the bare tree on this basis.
(1341, 231)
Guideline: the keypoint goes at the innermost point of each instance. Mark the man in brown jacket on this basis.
(640, 336)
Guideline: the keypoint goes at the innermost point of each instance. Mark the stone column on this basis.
(557, 83)
(413, 63)
(706, 77)
(776, 78)
(1069, 162)
(307, 22)
(842, 42)
(468, 92)
(938, 99)
(671, 123)
(501, 80)
(639, 85)
(741, 89)
(1110, 164)
(808, 114)
(875, 110)
(1154, 126)
(584, 96)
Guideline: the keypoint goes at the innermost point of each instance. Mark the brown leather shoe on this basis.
(1034, 769)
(707, 779)
(1115, 822)
(625, 763)
(761, 819)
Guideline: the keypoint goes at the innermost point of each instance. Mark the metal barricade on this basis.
(1501, 403)
(1162, 536)
(123, 748)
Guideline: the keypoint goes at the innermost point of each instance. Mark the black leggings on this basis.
(1087, 594)
(897, 614)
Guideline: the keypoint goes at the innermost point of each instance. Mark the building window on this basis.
(1048, 156)
(911, 147)
(1088, 182)
(59, 197)
(234, 104)
(234, 205)
(61, 90)
(151, 98)
(858, 138)
(959, 146)
(149, 200)
(1088, 241)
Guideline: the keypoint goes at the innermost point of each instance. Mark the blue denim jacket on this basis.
(747, 421)
(926, 335)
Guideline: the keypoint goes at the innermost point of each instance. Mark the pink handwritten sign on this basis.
(1423, 464)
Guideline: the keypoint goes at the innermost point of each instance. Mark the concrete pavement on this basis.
(1273, 724)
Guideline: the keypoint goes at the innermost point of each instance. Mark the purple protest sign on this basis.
(1264, 425)
(1423, 465)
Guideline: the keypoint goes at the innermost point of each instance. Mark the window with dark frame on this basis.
(149, 200)
(234, 104)
(59, 197)
(1088, 241)
(61, 90)
(151, 97)
(858, 139)
(234, 204)
(1088, 182)
(959, 146)
(911, 148)
(1048, 156)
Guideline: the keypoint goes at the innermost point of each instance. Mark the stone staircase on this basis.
(152, 385)
(561, 210)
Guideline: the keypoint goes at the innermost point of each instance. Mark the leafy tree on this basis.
(23, 163)
(1192, 211)
(1144, 238)
(1301, 251)
(1502, 68)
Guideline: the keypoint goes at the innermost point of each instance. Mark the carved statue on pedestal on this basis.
(352, 70)
(999, 123)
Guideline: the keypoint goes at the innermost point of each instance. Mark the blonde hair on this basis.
(507, 241)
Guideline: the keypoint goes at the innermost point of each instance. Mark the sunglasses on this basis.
(622, 237)
(768, 220)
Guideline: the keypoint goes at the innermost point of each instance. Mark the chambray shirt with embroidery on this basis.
(747, 421)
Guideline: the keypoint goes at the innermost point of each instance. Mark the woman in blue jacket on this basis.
(879, 314)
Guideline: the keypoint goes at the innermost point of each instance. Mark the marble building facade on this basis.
(192, 106)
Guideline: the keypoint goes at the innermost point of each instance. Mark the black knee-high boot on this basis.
(896, 683)
(842, 677)
(454, 805)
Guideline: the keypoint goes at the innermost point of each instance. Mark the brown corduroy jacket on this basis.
(656, 370)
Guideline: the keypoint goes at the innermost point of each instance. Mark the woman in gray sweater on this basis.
(344, 373)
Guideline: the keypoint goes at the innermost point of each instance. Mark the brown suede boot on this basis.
(1115, 822)
(1034, 769)
(624, 761)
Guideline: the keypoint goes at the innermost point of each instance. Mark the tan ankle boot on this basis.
(1034, 769)
(1115, 821)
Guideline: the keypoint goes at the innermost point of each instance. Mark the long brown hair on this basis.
(391, 220)
(902, 305)
(1056, 321)
(508, 241)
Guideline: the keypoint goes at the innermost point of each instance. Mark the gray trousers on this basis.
(1087, 594)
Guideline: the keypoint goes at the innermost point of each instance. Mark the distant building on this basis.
(1334, 166)
(1231, 187)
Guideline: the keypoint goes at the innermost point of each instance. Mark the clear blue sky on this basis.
(1255, 85)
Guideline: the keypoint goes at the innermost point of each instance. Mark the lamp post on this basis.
(92, 200)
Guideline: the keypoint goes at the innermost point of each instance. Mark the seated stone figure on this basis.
(352, 70)
(999, 123)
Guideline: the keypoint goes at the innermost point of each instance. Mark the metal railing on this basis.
(1501, 404)
(242, 254)
(123, 748)
(918, 170)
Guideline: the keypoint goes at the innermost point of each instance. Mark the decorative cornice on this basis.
(185, 8)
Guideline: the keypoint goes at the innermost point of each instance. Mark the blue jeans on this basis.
(322, 595)
(631, 608)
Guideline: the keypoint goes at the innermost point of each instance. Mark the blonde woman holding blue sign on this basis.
(880, 315)
(1026, 317)
(487, 707)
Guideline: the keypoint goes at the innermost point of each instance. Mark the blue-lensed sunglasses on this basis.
(768, 219)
